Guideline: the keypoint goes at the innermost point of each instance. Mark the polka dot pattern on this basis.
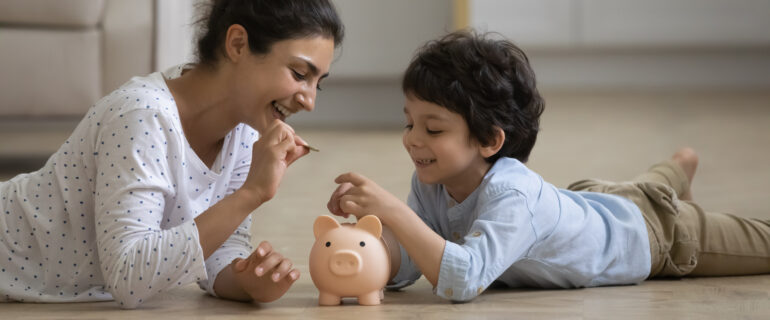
(111, 214)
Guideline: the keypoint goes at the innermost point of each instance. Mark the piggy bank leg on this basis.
(370, 299)
(382, 294)
(327, 299)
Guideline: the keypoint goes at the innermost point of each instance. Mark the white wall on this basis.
(364, 89)
(174, 31)
(573, 45)
(630, 45)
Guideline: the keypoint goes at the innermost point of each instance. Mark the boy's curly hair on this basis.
(488, 82)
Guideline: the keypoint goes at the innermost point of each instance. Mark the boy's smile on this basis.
(441, 148)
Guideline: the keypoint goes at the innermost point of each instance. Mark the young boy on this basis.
(476, 214)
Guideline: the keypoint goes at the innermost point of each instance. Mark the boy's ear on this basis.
(323, 224)
(495, 145)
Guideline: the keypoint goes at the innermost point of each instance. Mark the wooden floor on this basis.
(608, 136)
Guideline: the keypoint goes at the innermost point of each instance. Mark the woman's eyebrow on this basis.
(312, 67)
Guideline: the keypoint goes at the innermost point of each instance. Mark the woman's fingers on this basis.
(293, 149)
(293, 276)
(271, 261)
(239, 264)
(282, 270)
(263, 249)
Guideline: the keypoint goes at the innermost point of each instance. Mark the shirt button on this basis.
(477, 233)
(456, 235)
(480, 289)
(448, 292)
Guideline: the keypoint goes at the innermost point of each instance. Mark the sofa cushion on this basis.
(49, 72)
(60, 13)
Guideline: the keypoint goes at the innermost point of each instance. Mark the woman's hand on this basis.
(360, 196)
(275, 150)
(265, 275)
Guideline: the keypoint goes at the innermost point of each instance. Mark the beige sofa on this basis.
(57, 57)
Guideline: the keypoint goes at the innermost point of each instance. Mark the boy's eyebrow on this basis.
(311, 66)
(429, 116)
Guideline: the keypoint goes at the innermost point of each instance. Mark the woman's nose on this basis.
(306, 98)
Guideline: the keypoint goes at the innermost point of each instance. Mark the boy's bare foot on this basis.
(688, 160)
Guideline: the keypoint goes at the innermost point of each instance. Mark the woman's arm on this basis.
(217, 223)
(254, 182)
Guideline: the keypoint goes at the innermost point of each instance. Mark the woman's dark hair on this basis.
(266, 22)
(488, 82)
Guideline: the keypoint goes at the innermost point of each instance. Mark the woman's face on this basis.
(282, 82)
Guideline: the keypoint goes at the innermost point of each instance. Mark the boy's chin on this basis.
(427, 179)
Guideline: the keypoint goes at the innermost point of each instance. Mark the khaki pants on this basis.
(684, 239)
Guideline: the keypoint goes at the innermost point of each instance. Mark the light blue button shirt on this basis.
(520, 230)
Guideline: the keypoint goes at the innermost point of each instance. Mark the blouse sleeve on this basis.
(238, 245)
(138, 258)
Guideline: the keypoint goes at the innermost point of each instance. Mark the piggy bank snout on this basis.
(345, 263)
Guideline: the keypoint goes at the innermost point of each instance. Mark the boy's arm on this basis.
(391, 243)
(364, 197)
(425, 247)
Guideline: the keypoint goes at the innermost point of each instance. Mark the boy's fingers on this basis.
(350, 207)
(352, 177)
(334, 202)
(333, 205)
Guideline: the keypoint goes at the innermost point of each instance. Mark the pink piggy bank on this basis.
(349, 261)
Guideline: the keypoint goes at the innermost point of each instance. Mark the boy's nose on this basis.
(410, 139)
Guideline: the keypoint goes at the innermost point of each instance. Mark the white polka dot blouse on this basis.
(110, 215)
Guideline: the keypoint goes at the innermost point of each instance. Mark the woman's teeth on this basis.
(283, 110)
(425, 162)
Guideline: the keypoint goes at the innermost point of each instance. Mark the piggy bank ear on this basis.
(370, 224)
(323, 224)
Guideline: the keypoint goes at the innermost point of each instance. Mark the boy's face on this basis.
(439, 143)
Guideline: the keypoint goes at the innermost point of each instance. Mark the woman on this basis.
(155, 187)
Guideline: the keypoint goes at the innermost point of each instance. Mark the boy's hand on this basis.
(334, 201)
(360, 196)
(265, 275)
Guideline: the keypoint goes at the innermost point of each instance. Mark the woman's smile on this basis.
(280, 112)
